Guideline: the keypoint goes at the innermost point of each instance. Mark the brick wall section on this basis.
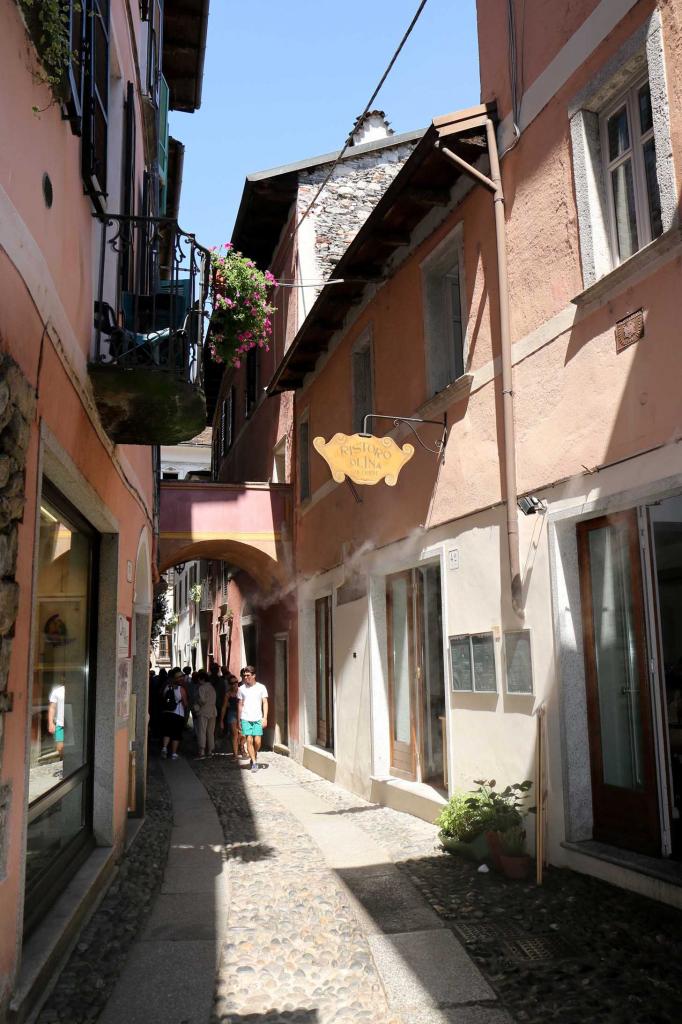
(348, 199)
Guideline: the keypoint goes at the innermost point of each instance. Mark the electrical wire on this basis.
(368, 107)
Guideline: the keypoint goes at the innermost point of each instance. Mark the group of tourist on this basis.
(215, 699)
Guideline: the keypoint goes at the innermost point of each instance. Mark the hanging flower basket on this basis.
(242, 314)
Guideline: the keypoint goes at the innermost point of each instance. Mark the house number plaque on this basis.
(363, 458)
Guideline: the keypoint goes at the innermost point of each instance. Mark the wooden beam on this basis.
(393, 238)
(429, 196)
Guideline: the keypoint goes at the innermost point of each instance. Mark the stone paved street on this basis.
(287, 900)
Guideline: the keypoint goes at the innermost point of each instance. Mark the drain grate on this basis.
(541, 947)
(489, 932)
(514, 945)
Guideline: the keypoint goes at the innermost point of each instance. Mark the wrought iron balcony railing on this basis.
(148, 330)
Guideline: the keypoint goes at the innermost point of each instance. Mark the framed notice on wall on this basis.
(124, 676)
(472, 663)
(518, 659)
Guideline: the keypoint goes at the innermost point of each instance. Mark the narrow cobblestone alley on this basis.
(287, 900)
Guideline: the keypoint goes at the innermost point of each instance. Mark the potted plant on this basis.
(513, 857)
(460, 830)
(242, 314)
(498, 812)
(195, 592)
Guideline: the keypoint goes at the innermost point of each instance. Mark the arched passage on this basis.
(242, 534)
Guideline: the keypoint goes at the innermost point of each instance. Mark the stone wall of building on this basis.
(17, 409)
(347, 200)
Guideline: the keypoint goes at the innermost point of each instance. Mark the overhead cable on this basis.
(368, 107)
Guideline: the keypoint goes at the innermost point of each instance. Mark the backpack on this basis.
(169, 701)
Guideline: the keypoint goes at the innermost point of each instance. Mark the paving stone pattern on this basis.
(573, 950)
(294, 952)
(92, 970)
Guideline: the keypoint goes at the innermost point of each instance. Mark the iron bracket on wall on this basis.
(439, 447)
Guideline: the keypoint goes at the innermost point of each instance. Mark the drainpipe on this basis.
(494, 185)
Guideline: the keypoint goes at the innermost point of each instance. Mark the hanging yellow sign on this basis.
(364, 458)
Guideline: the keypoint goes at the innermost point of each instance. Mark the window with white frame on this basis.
(629, 156)
(624, 176)
(363, 380)
(444, 319)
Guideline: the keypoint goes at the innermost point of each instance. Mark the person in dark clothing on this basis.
(229, 714)
(173, 703)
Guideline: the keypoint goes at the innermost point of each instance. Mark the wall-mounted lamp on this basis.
(530, 505)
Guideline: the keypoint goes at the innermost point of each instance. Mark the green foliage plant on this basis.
(498, 811)
(195, 592)
(48, 24)
(459, 819)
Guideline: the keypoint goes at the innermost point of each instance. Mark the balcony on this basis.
(147, 372)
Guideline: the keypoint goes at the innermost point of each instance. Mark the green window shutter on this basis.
(163, 144)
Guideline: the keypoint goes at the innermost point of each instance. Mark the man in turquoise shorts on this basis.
(253, 712)
(55, 716)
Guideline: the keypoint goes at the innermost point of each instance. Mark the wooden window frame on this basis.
(252, 377)
(303, 460)
(94, 151)
(363, 345)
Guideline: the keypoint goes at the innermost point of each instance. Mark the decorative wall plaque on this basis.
(363, 458)
(629, 330)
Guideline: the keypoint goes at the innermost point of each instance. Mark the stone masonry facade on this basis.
(17, 408)
(347, 200)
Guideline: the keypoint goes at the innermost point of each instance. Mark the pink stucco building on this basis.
(533, 573)
(97, 333)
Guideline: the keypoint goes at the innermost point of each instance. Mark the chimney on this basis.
(371, 127)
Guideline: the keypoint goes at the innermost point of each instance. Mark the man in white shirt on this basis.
(55, 716)
(253, 712)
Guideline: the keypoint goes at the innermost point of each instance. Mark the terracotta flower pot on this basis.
(495, 849)
(517, 868)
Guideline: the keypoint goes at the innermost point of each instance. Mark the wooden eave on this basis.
(425, 181)
(185, 23)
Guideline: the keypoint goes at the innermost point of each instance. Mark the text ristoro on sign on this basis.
(363, 458)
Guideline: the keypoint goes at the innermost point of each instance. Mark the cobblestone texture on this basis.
(294, 951)
(93, 968)
(349, 197)
(573, 950)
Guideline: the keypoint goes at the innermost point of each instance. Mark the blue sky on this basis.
(285, 80)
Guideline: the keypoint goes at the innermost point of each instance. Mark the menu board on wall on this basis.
(519, 664)
(124, 676)
(460, 663)
(483, 653)
(472, 662)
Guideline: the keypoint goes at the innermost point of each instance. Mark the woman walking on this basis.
(173, 705)
(205, 711)
(229, 713)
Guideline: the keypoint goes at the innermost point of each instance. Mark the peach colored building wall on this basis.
(48, 265)
(595, 428)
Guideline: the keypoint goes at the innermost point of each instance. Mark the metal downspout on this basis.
(494, 185)
(507, 391)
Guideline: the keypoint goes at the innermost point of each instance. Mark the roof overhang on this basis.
(425, 181)
(185, 23)
(268, 196)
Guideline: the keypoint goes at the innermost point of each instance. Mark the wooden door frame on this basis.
(324, 735)
(403, 762)
(619, 816)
